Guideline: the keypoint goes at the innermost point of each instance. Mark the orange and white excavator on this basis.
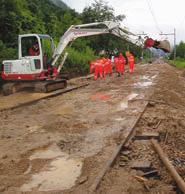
(37, 64)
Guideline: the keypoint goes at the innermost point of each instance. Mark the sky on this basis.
(167, 15)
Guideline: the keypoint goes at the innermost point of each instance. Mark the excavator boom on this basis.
(83, 30)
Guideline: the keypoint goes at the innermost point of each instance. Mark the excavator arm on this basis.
(91, 29)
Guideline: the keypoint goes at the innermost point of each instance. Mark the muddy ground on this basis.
(59, 145)
(165, 115)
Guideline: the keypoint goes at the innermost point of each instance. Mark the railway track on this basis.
(116, 153)
(147, 168)
(53, 94)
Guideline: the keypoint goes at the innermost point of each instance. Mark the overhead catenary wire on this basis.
(153, 15)
(181, 30)
(180, 27)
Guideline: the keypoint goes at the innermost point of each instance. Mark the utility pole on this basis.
(175, 43)
(174, 35)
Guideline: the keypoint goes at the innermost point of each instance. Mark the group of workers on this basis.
(103, 66)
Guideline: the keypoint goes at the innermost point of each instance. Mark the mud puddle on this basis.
(124, 103)
(60, 174)
(145, 81)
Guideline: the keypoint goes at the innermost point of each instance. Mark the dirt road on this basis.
(59, 145)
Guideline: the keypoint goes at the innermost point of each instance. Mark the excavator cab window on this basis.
(30, 46)
(47, 51)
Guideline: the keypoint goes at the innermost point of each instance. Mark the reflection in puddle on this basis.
(132, 96)
(124, 103)
(145, 77)
(51, 153)
(61, 173)
(64, 110)
(120, 119)
(146, 81)
(143, 84)
(154, 76)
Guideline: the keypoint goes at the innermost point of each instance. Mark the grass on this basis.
(178, 62)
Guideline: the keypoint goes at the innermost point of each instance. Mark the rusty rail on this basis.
(115, 154)
(54, 94)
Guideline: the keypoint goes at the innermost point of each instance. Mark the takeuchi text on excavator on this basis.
(38, 63)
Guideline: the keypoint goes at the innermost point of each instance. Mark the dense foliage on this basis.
(180, 56)
(43, 16)
(181, 50)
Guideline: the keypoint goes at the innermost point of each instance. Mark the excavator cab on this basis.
(35, 54)
(33, 68)
(38, 47)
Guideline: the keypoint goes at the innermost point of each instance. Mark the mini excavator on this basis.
(40, 70)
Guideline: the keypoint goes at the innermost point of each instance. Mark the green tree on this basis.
(181, 50)
(100, 11)
(33, 16)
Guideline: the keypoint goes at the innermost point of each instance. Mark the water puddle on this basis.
(145, 77)
(50, 153)
(143, 84)
(145, 81)
(120, 119)
(64, 110)
(60, 174)
(124, 103)
(154, 76)
(132, 96)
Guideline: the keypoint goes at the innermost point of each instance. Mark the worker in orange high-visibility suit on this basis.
(122, 62)
(107, 67)
(92, 66)
(117, 64)
(109, 63)
(98, 69)
(131, 61)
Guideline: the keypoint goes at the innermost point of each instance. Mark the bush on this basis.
(178, 62)
(78, 61)
(7, 53)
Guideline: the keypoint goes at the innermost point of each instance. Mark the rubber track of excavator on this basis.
(49, 86)
(42, 86)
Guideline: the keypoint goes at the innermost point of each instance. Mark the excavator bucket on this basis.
(165, 45)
